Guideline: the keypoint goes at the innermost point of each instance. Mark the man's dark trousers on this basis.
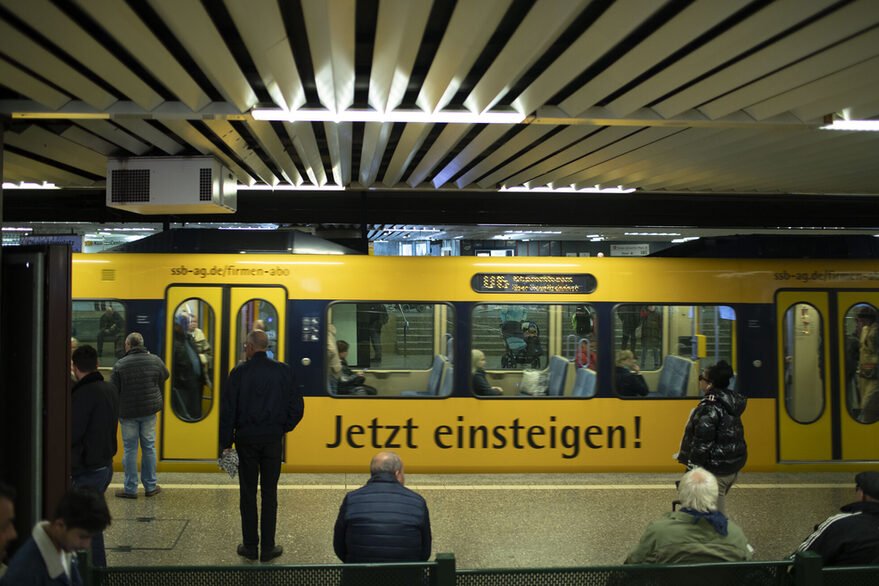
(259, 461)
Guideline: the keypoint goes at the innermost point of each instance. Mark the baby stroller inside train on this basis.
(522, 344)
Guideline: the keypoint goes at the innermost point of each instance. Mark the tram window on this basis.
(257, 314)
(393, 349)
(192, 360)
(694, 336)
(516, 339)
(803, 345)
(860, 345)
(100, 323)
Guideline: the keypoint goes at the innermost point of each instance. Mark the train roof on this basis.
(202, 240)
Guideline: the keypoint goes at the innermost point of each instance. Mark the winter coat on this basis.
(680, 537)
(261, 402)
(140, 377)
(849, 538)
(630, 384)
(714, 437)
(94, 419)
(382, 521)
(481, 386)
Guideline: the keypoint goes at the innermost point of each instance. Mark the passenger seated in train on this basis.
(850, 538)
(480, 383)
(350, 382)
(629, 382)
(697, 533)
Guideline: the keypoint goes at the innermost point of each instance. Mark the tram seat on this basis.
(674, 377)
(558, 374)
(584, 383)
(732, 383)
(434, 381)
(448, 380)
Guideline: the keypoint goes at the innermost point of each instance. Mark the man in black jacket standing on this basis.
(140, 378)
(383, 521)
(260, 405)
(95, 407)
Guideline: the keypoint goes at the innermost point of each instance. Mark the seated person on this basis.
(697, 533)
(480, 383)
(629, 382)
(585, 356)
(850, 538)
(48, 556)
(350, 382)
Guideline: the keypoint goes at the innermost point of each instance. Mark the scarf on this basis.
(716, 518)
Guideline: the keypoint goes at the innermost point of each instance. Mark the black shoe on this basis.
(154, 491)
(247, 552)
(270, 554)
(126, 495)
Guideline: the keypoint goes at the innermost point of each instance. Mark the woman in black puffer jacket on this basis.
(714, 437)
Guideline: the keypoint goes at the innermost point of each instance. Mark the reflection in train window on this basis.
(670, 346)
(533, 349)
(257, 314)
(803, 345)
(100, 323)
(393, 349)
(192, 360)
(861, 382)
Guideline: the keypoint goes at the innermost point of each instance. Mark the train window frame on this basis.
(442, 339)
(182, 318)
(557, 317)
(853, 376)
(94, 343)
(686, 347)
(788, 360)
(241, 337)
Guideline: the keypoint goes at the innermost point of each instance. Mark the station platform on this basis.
(487, 521)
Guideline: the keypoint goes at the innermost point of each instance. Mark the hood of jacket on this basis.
(733, 402)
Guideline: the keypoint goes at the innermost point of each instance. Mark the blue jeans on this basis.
(99, 479)
(143, 429)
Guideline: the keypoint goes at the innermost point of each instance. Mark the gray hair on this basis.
(698, 490)
(134, 340)
(388, 462)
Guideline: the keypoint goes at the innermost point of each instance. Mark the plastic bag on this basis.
(534, 382)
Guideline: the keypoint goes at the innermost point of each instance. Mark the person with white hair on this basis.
(697, 533)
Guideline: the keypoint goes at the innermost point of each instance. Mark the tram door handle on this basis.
(306, 361)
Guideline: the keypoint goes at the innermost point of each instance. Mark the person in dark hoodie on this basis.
(698, 533)
(714, 437)
(94, 419)
(850, 537)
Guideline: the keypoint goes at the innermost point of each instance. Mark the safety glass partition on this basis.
(100, 323)
(192, 360)
(861, 340)
(256, 314)
(803, 344)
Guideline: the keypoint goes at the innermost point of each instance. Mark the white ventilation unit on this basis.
(171, 185)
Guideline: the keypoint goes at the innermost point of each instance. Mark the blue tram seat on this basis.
(584, 384)
(674, 377)
(448, 380)
(434, 381)
(558, 372)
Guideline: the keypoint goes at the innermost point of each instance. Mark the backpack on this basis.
(581, 321)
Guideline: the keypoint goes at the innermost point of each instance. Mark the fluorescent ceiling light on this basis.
(652, 234)
(288, 187)
(16, 229)
(571, 189)
(443, 116)
(687, 239)
(869, 125)
(26, 185)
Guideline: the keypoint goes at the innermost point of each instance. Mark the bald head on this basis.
(387, 463)
(259, 340)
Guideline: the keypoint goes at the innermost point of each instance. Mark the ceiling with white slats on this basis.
(675, 96)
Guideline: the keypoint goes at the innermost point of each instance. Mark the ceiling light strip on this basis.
(442, 116)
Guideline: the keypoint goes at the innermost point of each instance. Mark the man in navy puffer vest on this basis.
(383, 521)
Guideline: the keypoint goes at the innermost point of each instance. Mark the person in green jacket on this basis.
(697, 533)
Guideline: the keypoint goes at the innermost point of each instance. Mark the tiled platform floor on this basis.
(515, 520)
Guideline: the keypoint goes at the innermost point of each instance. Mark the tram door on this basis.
(205, 330)
(828, 406)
